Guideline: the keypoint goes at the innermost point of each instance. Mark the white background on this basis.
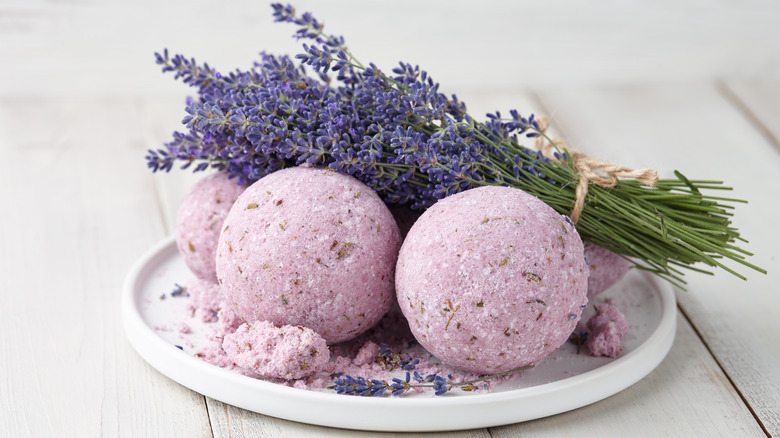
(90, 47)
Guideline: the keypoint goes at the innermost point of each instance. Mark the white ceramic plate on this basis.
(562, 382)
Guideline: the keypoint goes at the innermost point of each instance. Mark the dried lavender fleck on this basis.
(199, 222)
(489, 278)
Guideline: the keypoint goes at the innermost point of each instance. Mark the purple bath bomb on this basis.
(606, 268)
(310, 247)
(492, 279)
(199, 222)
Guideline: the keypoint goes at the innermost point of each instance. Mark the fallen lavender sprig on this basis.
(415, 145)
(361, 386)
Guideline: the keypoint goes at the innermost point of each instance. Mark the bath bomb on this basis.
(199, 222)
(606, 331)
(492, 279)
(287, 352)
(606, 268)
(310, 247)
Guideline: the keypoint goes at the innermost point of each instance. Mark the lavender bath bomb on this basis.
(606, 268)
(491, 279)
(199, 222)
(309, 247)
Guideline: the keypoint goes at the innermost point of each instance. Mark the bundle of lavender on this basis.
(414, 145)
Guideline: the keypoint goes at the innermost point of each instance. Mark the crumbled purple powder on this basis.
(205, 298)
(213, 353)
(367, 354)
(607, 329)
(287, 352)
(183, 328)
(362, 356)
(227, 320)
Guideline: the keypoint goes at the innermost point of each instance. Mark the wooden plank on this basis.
(693, 128)
(79, 208)
(759, 101)
(687, 395)
(229, 421)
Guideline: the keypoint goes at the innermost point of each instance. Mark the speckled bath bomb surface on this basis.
(310, 247)
(199, 222)
(606, 268)
(491, 279)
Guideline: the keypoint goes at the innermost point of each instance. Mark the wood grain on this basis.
(686, 396)
(231, 422)
(78, 209)
(695, 129)
(759, 101)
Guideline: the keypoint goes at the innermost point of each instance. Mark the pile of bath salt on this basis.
(278, 354)
(298, 357)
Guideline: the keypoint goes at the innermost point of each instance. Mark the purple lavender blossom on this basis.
(398, 134)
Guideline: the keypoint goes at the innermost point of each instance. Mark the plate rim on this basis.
(484, 410)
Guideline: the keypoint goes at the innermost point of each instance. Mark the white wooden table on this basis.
(79, 206)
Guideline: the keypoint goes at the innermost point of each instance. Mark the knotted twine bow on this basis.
(590, 170)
